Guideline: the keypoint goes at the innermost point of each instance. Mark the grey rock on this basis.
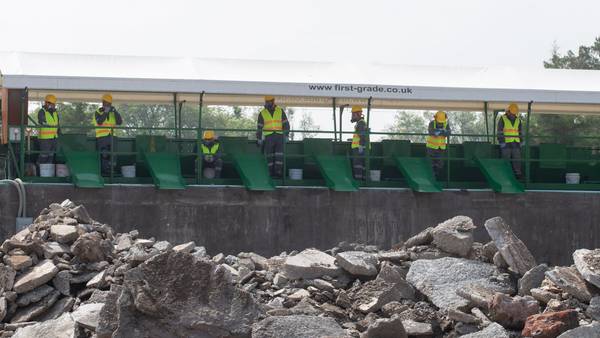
(51, 249)
(455, 235)
(3, 308)
(82, 278)
(7, 277)
(393, 256)
(493, 330)
(593, 310)
(393, 308)
(261, 262)
(62, 282)
(513, 250)
(18, 262)
(162, 246)
(323, 285)
(297, 326)
(63, 233)
(185, 247)
(423, 238)
(32, 311)
(91, 247)
(385, 328)
(42, 273)
(150, 303)
(532, 279)
(569, 279)
(310, 264)
(88, 315)
(460, 316)
(279, 280)
(391, 274)
(138, 254)
(439, 279)
(98, 281)
(109, 317)
(62, 327)
(375, 294)
(587, 263)
(416, 329)
(34, 295)
(147, 243)
(543, 296)
(123, 243)
(587, 331)
(489, 250)
(358, 263)
(81, 215)
(512, 312)
(61, 306)
(499, 261)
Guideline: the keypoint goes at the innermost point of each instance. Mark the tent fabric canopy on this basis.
(298, 83)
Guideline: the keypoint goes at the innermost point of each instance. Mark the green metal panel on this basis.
(553, 151)
(149, 144)
(165, 170)
(474, 150)
(84, 167)
(253, 170)
(337, 172)
(418, 173)
(316, 147)
(395, 148)
(499, 175)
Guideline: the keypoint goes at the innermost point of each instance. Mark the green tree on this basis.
(307, 123)
(565, 128)
(409, 122)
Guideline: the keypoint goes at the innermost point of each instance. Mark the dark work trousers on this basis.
(512, 152)
(273, 149)
(103, 145)
(47, 150)
(437, 160)
(358, 165)
(216, 164)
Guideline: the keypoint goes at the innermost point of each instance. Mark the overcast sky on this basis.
(421, 32)
(427, 32)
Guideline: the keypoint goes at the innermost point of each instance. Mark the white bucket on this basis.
(572, 178)
(62, 170)
(295, 174)
(375, 175)
(47, 169)
(128, 171)
(209, 173)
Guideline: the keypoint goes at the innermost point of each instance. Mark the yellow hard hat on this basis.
(50, 98)
(513, 108)
(208, 135)
(269, 98)
(440, 116)
(357, 109)
(107, 97)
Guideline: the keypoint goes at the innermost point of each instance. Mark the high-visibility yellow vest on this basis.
(437, 142)
(511, 131)
(110, 121)
(51, 132)
(273, 124)
(209, 151)
(356, 136)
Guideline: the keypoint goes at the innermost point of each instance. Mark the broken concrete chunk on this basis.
(511, 312)
(162, 246)
(88, 315)
(588, 265)
(455, 235)
(594, 309)
(123, 243)
(569, 280)
(40, 274)
(98, 281)
(358, 263)
(297, 326)
(494, 330)
(532, 279)
(81, 214)
(7, 277)
(586, 331)
(417, 329)
(513, 250)
(63, 233)
(550, 324)
(34, 295)
(18, 262)
(32, 311)
(310, 264)
(62, 327)
(91, 247)
(423, 238)
(51, 249)
(185, 247)
(460, 316)
(387, 328)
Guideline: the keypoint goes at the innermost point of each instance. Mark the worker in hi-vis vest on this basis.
(510, 136)
(105, 118)
(272, 129)
(360, 140)
(437, 141)
(210, 153)
(48, 130)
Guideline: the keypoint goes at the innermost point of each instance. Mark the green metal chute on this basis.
(337, 172)
(84, 167)
(499, 175)
(253, 170)
(418, 173)
(164, 166)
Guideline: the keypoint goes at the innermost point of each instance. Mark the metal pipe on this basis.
(20, 212)
(334, 123)
(487, 129)
(528, 146)
(175, 111)
(199, 136)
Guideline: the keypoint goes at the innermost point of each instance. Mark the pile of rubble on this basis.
(67, 275)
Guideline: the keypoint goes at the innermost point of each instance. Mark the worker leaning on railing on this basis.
(273, 124)
(509, 137)
(438, 130)
(210, 153)
(48, 131)
(107, 117)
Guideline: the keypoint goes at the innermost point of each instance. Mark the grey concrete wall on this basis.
(229, 220)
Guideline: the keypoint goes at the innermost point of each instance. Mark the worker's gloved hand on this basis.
(361, 150)
(436, 132)
(259, 142)
(502, 145)
(208, 158)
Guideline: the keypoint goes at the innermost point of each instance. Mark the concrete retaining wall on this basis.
(229, 220)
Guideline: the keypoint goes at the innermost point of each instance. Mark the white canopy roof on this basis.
(244, 82)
